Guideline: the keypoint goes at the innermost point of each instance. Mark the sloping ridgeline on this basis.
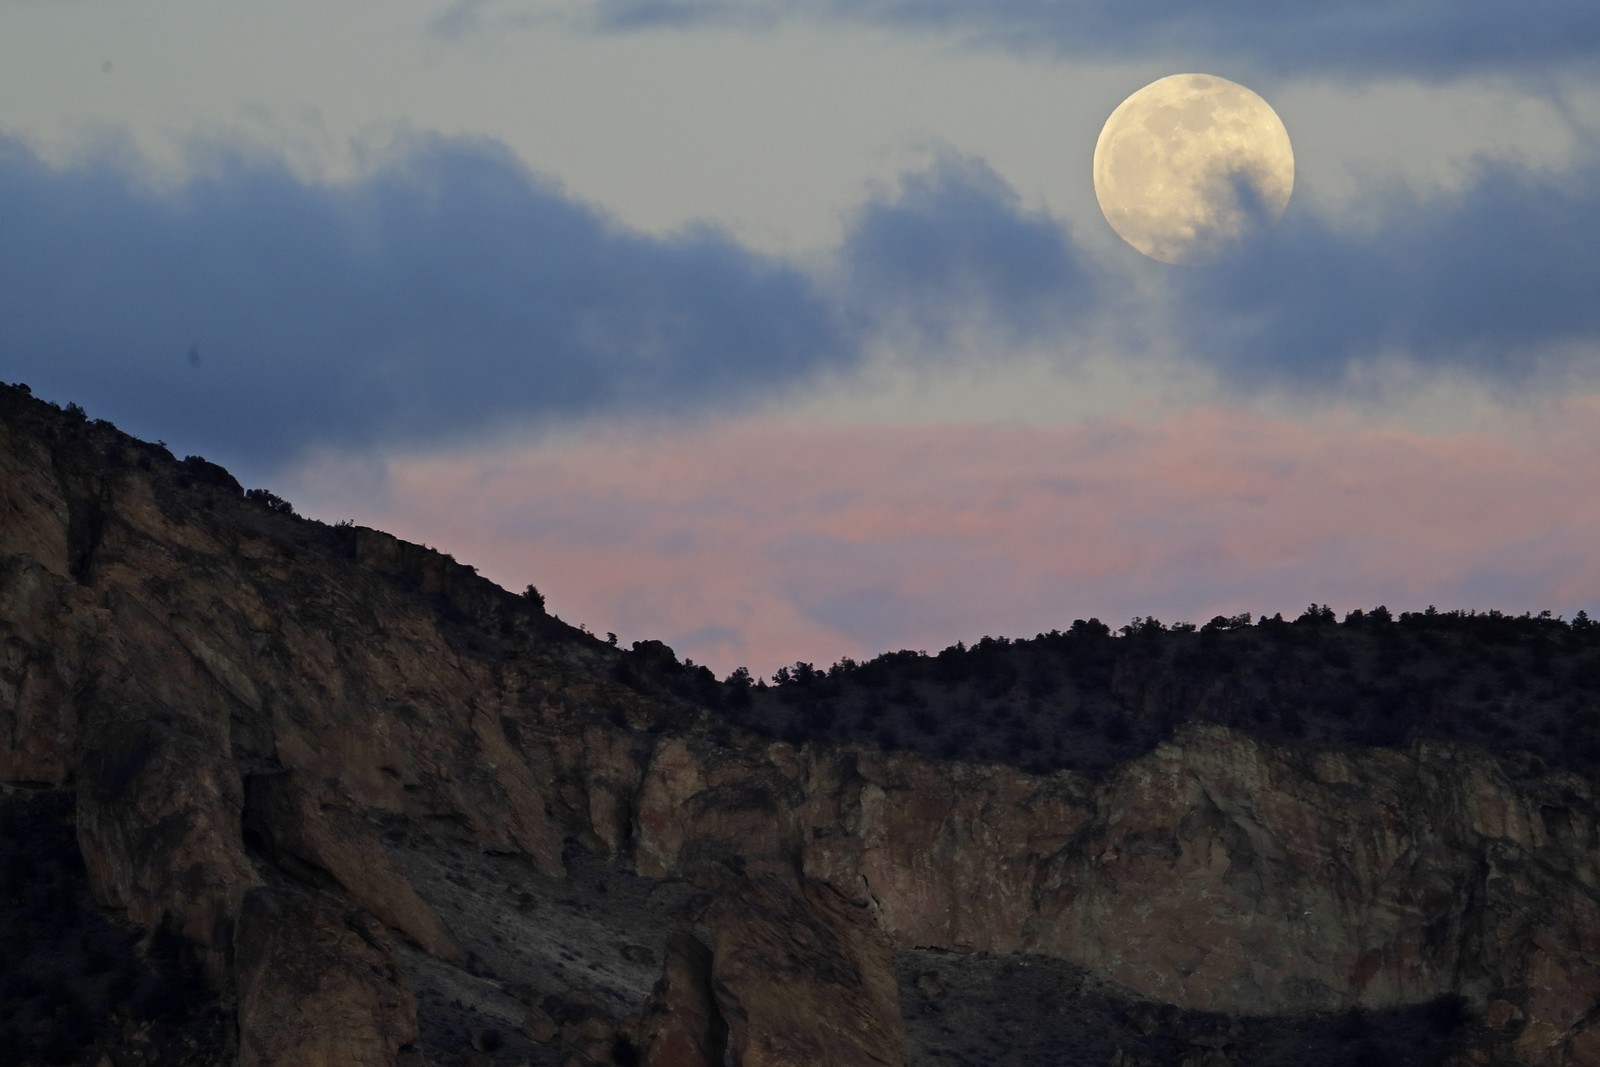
(1085, 699)
(278, 792)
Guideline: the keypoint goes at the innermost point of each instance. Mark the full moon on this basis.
(1189, 166)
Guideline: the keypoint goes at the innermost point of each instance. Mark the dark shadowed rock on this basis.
(801, 976)
(284, 740)
(159, 823)
(317, 985)
(307, 822)
(681, 1025)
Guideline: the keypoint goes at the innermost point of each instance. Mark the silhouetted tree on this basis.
(739, 685)
(270, 500)
(1317, 615)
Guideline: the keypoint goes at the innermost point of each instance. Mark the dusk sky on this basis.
(793, 330)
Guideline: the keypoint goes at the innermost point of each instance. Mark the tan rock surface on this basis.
(159, 826)
(38, 708)
(307, 821)
(161, 638)
(681, 1026)
(803, 978)
(1215, 873)
(947, 853)
(317, 988)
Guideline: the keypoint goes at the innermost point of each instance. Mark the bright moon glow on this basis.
(1191, 165)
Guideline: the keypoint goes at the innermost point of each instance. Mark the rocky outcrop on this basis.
(317, 988)
(1310, 880)
(681, 1025)
(305, 823)
(1215, 873)
(803, 978)
(238, 697)
(158, 821)
(38, 713)
(794, 976)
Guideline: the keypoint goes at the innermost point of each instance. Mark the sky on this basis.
(792, 330)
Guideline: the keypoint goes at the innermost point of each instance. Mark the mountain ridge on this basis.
(326, 767)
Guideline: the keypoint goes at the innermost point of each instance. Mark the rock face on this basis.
(1215, 873)
(795, 975)
(681, 1025)
(158, 822)
(803, 977)
(242, 700)
(317, 988)
(308, 822)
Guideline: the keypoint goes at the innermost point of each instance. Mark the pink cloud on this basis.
(760, 541)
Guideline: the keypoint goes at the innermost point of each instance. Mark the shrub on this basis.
(270, 500)
(819, 718)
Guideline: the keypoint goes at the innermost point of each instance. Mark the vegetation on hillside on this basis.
(1086, 698)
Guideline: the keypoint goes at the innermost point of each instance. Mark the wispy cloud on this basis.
(953, 249)
(1497, 279)
(251, 314)
(1411, 38)
(754, 541)
(463, 18)
(447, 292)
(453, 290)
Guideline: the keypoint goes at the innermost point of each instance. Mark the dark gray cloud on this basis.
(1418, 38)
(447, 293)
(249, 314)
(1496, 280)
(954, 250)
(463, 18)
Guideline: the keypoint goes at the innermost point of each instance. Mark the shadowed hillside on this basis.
(279, 792)
(1087, 699)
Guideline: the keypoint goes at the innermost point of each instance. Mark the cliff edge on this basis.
(386, 812)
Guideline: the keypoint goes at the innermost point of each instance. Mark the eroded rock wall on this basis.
(1215, 873)
(162, 642)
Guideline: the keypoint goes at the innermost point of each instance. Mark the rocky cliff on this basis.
(392, 813)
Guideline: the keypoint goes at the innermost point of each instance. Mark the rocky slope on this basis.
(386, 812)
